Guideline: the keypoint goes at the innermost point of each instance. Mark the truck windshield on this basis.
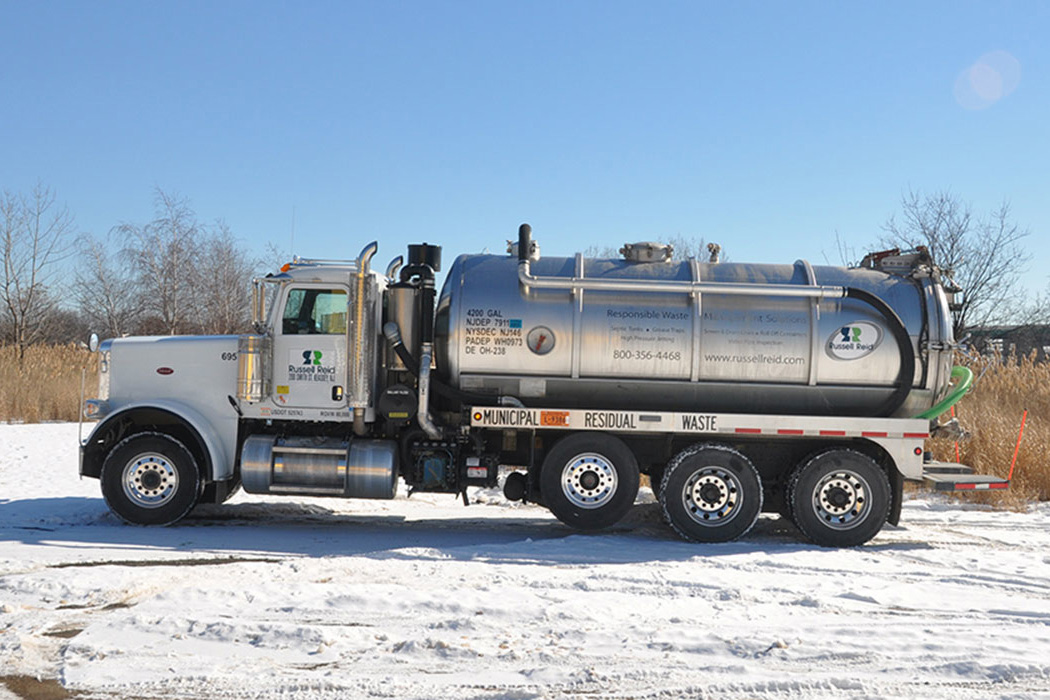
(314, 311)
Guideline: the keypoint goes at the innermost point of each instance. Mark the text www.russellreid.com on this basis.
(757, 359)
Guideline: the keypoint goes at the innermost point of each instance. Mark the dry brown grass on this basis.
(46, 386)
(992, 413)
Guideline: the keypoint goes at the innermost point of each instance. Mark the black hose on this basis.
(406, 357)
(426, 312)
(906, 376)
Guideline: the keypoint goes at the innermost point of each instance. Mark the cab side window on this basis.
(314, 311)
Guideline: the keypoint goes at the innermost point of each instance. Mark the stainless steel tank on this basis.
(578, 332)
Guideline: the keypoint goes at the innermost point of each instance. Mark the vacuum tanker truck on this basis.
(737, 388)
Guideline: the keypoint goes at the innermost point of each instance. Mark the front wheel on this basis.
(150, 479)
(711, 493)
(589, 480)
(839, 498)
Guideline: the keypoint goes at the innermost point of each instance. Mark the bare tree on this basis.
(983, 255)
(34, 230)
(106, 292)
(162, 253)
(226, 274)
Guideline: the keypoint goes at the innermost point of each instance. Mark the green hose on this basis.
(965, 377)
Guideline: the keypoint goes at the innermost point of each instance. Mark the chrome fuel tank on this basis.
(690, 336)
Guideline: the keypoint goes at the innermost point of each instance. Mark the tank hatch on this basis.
(647, 251)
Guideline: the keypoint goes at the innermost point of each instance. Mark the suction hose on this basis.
(964, 376)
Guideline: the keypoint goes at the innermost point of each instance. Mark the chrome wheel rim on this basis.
(840, 499)
(711, 496)
(150, 480)
(589, 481)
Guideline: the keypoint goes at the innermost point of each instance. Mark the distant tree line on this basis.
(172, 274)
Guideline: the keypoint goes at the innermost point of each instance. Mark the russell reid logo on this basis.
(854, 341)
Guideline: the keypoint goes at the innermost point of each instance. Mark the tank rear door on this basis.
(309, 347)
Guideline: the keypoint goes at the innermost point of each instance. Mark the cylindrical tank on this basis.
(695, 347)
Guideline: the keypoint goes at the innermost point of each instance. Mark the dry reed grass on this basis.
(46, 386)
(992, 411)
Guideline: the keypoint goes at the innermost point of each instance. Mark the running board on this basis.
(964, 482)
(945, 468)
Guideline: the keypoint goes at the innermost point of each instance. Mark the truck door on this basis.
(309, 347)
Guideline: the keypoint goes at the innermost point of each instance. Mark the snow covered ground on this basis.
(317, 598)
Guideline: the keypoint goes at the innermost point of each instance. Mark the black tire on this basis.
(839, 498)
(150, 479)
(589, 480)
(711, 493)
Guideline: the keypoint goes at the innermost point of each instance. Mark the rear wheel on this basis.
(839, 498)
(711, 493)
(589, 480)
(150, 479)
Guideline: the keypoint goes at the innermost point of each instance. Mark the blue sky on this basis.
(766, 126)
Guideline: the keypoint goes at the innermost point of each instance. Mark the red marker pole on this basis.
(1018, 447)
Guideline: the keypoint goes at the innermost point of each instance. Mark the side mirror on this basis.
(93, 342)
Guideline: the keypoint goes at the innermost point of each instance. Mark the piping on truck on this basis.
(737, 388)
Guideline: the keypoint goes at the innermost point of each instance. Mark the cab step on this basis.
(946, 468)
(964, 482)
